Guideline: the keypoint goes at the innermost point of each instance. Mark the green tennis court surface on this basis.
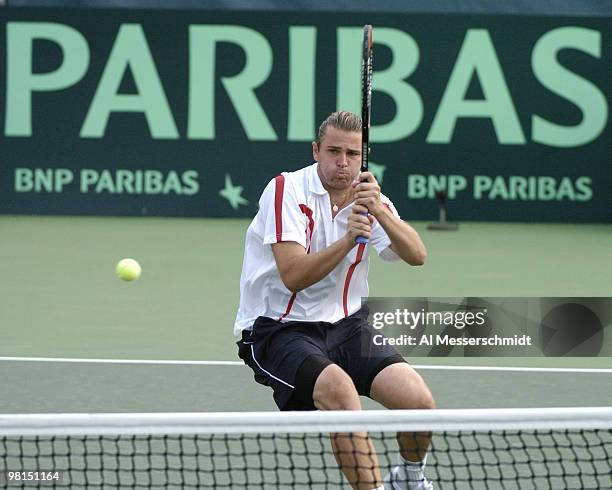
(60, 299)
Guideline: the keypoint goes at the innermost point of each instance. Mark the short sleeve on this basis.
(380, 240)
(283, 220)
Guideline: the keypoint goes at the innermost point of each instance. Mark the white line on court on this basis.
(240, 363)
(122, 361)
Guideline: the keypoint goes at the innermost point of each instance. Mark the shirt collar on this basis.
(314, 181)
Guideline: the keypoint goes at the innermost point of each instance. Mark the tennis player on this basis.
(303, 330)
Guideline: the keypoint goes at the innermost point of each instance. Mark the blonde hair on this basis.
(342, 120)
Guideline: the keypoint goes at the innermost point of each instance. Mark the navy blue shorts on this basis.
(276, 351)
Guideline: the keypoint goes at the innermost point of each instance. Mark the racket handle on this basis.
(360, 240)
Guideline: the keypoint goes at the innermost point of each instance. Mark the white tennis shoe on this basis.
(397, 479)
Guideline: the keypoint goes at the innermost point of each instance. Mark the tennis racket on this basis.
(366, 103)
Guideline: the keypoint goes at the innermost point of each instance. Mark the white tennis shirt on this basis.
(295, 207)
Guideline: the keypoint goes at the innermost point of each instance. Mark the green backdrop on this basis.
(191, 113)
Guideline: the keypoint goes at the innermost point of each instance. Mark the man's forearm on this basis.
(306, 270)
(405, 241)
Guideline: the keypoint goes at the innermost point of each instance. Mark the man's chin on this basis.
(341, 185)
(344, 181)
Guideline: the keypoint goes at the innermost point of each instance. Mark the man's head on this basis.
(338, 150)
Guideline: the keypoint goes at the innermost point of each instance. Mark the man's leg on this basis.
(398, 386)
(354, 452)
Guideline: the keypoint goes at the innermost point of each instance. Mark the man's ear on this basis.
(315, 151)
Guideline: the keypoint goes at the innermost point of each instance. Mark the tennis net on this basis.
(569, 448)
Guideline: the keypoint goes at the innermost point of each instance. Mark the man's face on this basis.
(339, 157)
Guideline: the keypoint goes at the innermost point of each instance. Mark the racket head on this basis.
(366, 95)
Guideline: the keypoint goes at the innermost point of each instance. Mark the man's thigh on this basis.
(361, 356)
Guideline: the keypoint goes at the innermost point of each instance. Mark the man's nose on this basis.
(342, 160)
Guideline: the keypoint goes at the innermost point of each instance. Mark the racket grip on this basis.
(360, 240)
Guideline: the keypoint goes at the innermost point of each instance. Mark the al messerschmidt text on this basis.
(452, 341)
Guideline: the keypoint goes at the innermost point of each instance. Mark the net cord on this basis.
(77, 424)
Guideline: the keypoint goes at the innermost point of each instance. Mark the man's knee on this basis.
(399, 386)
(425, 400)
(334, 390)
(421, 397)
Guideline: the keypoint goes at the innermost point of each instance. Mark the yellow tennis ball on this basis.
(128, 269)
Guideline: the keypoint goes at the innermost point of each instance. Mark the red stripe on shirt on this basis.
(278, 206)
(349, 275)
(310, 228)
(289, 306)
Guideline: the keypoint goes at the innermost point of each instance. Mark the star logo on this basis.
(232, 193)
(377, 170)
